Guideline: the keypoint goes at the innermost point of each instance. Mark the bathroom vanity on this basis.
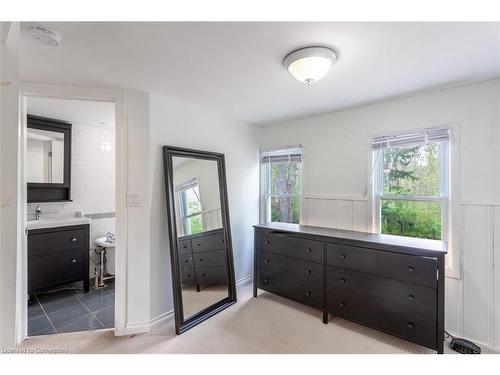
(393, 284)
(58, 253)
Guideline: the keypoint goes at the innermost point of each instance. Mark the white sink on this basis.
(57, 222)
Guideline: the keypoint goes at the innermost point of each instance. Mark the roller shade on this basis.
(411, 138)
(281, 156)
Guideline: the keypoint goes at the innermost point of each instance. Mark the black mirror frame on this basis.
(182, 325)
(52, 192)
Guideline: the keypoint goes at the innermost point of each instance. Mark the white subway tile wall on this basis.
(92, 184)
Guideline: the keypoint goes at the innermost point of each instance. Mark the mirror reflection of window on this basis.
(45, 156)
(190, 207)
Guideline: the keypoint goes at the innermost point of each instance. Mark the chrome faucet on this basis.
(38, 212)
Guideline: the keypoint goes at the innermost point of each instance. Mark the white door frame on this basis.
(118, 97)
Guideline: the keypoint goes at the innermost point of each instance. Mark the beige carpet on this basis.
(194, 301)
(267, 324)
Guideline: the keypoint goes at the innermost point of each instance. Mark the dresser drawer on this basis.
(185, 246)
(295, 247)
(308, 294)
(208, 242)
(419, 328)
(410, 268)
(64, 267)
(188, 275)
(309, 272)
(216, 258)
(53, 242)
(212, 275)
(403, 297)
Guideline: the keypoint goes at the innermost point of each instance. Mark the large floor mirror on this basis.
(199, 233)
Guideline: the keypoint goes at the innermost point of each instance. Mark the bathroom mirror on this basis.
(48, 159)
(199, 233)
(45, 156)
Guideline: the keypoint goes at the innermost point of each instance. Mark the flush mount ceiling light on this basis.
(310, 64)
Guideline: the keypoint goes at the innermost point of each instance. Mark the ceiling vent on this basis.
(44, 35)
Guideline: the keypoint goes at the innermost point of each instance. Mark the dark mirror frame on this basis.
(182, 325)
(52, 192)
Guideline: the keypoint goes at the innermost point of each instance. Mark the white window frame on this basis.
(265, 183)
(444, 189)
(180, 196)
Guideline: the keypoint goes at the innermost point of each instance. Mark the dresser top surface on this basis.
(372, 238)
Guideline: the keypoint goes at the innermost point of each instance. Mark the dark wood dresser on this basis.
(58, 256)
(390, 283)
(202, 259)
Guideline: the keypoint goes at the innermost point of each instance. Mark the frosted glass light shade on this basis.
(309, 64)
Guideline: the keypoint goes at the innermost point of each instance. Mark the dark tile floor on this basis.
(72, 310)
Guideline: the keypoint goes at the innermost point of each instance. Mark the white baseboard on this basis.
(244, 281)
(161, 320)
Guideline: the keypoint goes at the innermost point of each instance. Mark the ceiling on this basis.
(235, 68)
(81, 112)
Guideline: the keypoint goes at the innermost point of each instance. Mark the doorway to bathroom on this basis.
(70, 170)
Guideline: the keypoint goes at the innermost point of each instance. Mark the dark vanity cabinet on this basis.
(203, 259)
(390, 283)
(58, 256)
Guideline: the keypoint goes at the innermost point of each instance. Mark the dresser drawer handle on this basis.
(342, 256)
(308, 293)
(203, 275)
(198, 244)
(410, 325)
(411, 297)
(186, 261)
(184, 247)
(267, 260)
(411, 269)
(73, 239)
(308, 250)
(267, 242)
(266, 280)
(308, 272)
(342, 280)
(73, 260)
(342, 304)
(188, 275)
(201, 259)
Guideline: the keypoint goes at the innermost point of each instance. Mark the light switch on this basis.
(133, 200)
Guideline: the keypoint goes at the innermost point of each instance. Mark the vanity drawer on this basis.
(308, 294)
(64, 267)
(185, 246)
(309, 272)
(419, 328)
(208, 242)
(295, 247)
(52, 242)
(210, 258)
(212, 275)
(410, 268)
(401, 296)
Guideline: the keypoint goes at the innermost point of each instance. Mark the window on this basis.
(281, 179)
(190, 207)
(411, 184)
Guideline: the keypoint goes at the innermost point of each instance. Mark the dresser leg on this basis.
(440, 348)
(86, 285)
(325, 317)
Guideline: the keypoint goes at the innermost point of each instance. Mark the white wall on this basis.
(337, 157)
(10, 206)
(178, 124)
